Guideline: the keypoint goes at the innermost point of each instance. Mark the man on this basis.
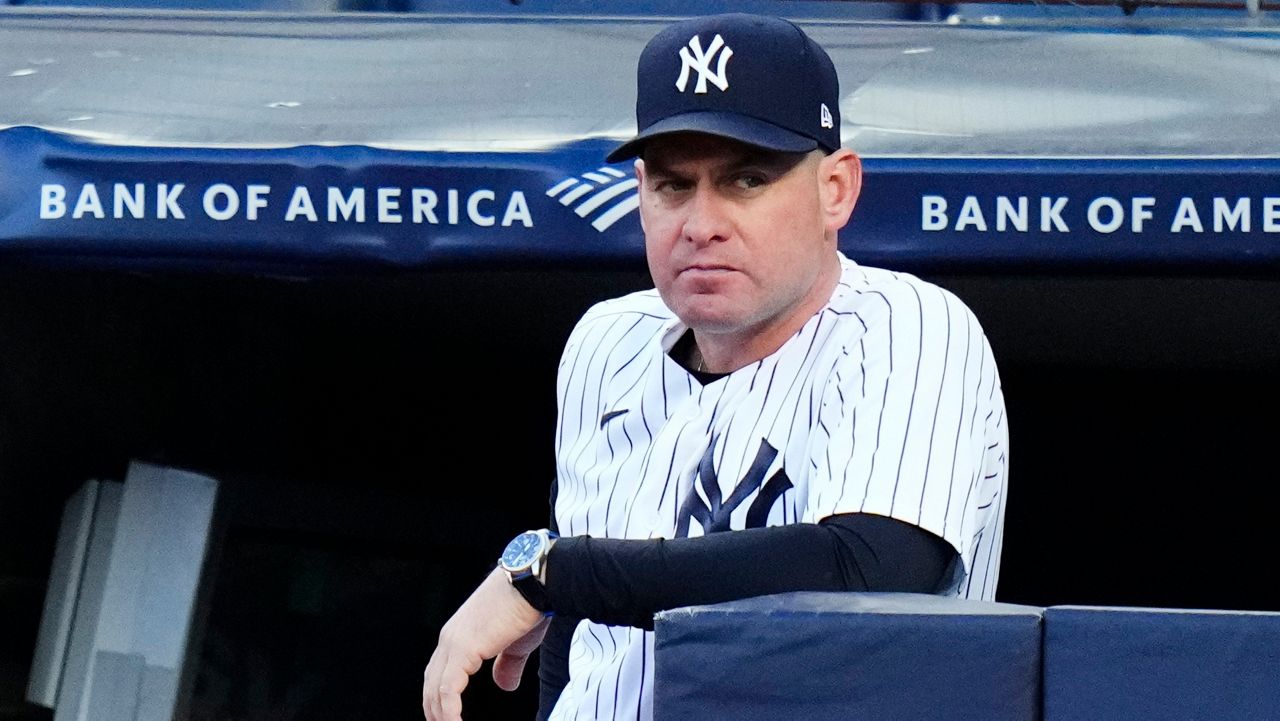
(845, 423)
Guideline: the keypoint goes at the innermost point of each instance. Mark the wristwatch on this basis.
(524, 561)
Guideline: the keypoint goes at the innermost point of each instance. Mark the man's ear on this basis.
(639, 165)
(840, 179)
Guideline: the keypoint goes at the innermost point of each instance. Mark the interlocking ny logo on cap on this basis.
(692, 58)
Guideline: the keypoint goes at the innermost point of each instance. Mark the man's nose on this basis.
(706, 220)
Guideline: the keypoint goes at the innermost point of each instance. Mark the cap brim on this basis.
(726, 125)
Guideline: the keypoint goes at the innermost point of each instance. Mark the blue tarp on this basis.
(237, 140)
(353, 205)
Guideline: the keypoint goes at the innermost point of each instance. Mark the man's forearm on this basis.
(624, 582)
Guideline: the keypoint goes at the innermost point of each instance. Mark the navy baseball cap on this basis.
(757, 79)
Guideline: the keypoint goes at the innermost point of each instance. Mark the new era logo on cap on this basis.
(757, 79)
(692, 58)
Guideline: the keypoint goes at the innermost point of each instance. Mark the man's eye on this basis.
(671, 186)
(747, 181)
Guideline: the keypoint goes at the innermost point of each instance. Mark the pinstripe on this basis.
(577, 489)
(613, 646)
(862, 359)
(765, 400)
(955, 446)
(759, 365)
(572, 373)
(997, 546)
(608, 439)
(644, 657)
(977, 467)
(888, 324)
(617, 682)
(631, 446)
(810, 361)
(666, 409)
(937, 407)
(623, 426)
(644, 415)
(992, 547)
(853, 425)
(594, 637)
(627, 363)
(748, 448)
(880, 419)
(977, 546)
(729, 427)
(644, 466)
(599, 389)
(599, 686)
(806, 361)
(608, 507)
(911, 407)
(826, 455)
(817, 394)
(671, 465)
(711, 421)
(813, 386)
(802, 374)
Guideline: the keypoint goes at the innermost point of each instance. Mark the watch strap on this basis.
(533, 592)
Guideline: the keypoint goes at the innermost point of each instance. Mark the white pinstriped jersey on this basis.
(887, 401)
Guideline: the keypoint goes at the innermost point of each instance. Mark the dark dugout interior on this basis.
(380, 438)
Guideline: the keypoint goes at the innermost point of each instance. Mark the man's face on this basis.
(737, 239)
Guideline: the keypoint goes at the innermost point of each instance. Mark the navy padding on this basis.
(1104, 664)
(817, 656)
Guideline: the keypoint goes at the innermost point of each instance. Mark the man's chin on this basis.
(707, 312)
(711, 322)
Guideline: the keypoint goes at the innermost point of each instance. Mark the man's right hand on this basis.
(495, 622)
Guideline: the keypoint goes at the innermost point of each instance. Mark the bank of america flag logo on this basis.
(607, 193)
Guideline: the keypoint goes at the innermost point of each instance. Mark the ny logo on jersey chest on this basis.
(715, 515)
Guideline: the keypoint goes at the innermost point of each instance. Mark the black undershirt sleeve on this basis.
(624, 582)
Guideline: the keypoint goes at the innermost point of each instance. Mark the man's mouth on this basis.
(707, 268)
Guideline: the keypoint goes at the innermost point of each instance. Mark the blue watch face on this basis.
(522, 551)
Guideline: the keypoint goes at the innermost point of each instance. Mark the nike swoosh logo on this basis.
(611, 415)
